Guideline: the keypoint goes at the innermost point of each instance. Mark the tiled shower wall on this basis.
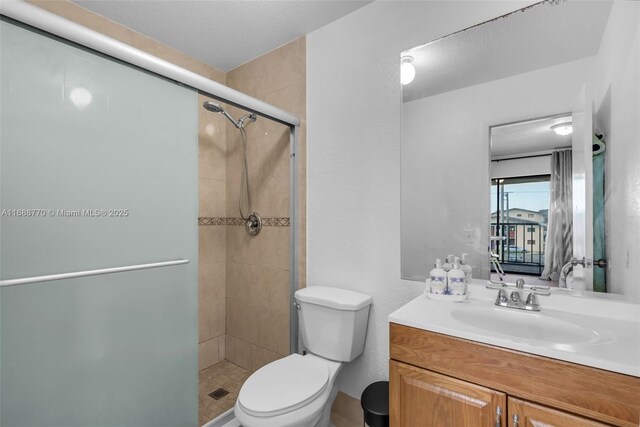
(212, 143)
(244, 280)
(257, 285)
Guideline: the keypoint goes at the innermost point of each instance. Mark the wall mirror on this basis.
(518, 140)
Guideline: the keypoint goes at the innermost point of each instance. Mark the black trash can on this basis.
(375, 404)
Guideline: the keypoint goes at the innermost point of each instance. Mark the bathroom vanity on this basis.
(475, 364)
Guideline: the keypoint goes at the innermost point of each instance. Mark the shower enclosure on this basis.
(244, 216)
(98, 233)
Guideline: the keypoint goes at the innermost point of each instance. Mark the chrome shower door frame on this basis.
(293, 236)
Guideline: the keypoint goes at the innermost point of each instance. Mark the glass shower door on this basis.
(98, 169)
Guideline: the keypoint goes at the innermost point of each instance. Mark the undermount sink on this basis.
(525, 325)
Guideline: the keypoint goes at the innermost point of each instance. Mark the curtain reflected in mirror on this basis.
(559, 241)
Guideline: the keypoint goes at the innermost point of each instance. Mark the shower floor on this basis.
(223, 375)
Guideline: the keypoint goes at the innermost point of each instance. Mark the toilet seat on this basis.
(284, 386)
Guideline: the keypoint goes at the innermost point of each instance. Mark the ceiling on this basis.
(529, 137)
(539, 37)
(224, 34)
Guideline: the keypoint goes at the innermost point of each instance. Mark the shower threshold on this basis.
(227, 419)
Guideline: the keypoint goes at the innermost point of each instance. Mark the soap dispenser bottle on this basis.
(447, 265)
(437, 279)
(455, 277)
(466, 268)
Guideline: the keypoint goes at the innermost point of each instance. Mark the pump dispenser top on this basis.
(455, 277)
(449, 264)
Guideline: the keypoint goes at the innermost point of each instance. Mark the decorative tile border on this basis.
(276, 222)
(207, 220)
(266, 222)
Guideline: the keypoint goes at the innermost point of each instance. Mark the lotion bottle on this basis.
(455, 277)
(466, 268)
(438, 279)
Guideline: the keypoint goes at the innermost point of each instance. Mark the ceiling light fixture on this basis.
(407, 71)
(563, 129)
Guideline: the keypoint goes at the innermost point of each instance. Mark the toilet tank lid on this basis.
(338, 298)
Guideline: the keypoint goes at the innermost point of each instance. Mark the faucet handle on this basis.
(532, 299)
(540, 290)
(502, 297)
(515, 297)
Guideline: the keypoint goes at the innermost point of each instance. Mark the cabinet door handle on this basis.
(516, 420)
(498, 417)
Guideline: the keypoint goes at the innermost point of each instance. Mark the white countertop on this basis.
(601, 331)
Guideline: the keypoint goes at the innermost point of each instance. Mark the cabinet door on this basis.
(421, 398)
(532, 415)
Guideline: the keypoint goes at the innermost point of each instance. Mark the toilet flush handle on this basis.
(296, 305)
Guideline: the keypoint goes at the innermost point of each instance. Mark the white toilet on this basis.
(298, 391)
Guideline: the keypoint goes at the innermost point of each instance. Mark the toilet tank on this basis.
(333, 321)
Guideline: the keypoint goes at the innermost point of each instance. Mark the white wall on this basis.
(617, 109)
(354, 133)
(445, 159)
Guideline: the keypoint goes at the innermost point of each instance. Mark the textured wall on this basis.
(354, 108)
(617, 111)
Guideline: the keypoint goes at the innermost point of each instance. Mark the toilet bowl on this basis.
(290, 392)
(298, 391)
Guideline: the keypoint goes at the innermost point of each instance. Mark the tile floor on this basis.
(340, 421)
(224, 375)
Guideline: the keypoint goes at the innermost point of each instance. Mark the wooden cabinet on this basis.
(420, 398)
(526, 414)
(440, 380)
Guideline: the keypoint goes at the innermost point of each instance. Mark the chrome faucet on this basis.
(515, 296)
(514, 300)
(562, 282)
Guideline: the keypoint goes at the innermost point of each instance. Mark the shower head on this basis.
(215, 108)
